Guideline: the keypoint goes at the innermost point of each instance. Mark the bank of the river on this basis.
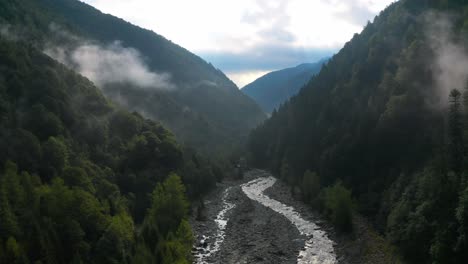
(257, 234)
(363, 246)
(254, 233)
(204, 222)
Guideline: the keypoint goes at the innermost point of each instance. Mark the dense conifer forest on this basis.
(100, 166)
(83, 180)
(385, 120)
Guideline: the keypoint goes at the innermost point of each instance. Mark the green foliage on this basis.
(12, 250)
(23, 148)
(421, 220)
(374, 119)
(115, 245)
(166, 223)
(462, 219)
(55, 155)
(9, 222)
(125, 124)
(169, 205)
(173, 251)
(310, 187)
(143, 255)
(456, 143)
(285, 170)
(338, 205)
(79, 172)
(75, 176)
(43, 123)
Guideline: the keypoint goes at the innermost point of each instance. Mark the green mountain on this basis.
(275, 88)
(380, 119)
(82, 179)
(85, 181)
(150, 74)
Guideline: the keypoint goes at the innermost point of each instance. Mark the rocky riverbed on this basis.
(239, 229)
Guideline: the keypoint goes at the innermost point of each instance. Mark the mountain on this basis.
(274, 88)
(149, 73)
(82, 180)
(382, 119)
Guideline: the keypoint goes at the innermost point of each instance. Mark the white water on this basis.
(202, 254)
(318, 248)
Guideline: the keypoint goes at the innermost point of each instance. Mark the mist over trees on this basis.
(82, 180)
(381, 131)
(386, 119)
(161, 80)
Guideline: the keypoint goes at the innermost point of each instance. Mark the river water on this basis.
(318, 248)
(204, 253)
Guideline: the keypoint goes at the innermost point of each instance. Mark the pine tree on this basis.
(455, 132)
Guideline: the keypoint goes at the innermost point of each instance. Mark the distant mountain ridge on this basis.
(274, 88)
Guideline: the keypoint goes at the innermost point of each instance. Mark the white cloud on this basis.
(234, 27)
(227, 25)
(244, 78)
(104, 64)
(111, 64)
(116, 64)
(450, 65)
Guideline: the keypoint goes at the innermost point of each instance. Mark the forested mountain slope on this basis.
(380, 117)
(79, 174)
(274, 88)
(160, 79)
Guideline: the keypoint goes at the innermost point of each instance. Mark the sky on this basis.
(248, 38)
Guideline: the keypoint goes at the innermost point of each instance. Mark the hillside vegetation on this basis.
(82, 180)
(275, 88)
(383, 118)
(197, 102)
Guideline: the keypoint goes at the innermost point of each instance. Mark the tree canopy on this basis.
(378, 119)
(81, 177)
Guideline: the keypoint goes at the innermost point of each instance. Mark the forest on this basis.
(84, 181)
(93, 171)
(274, 88)
(381, 122)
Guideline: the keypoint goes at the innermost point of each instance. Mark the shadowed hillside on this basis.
(196, 101)
(275, 88)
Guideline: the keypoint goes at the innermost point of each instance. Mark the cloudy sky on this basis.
(248, 38)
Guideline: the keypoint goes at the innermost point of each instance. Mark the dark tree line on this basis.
(373, 121)
(83, 181)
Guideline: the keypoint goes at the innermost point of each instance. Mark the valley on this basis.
(119, 146)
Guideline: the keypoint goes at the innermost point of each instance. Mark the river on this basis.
(203, 253)
(317, 249)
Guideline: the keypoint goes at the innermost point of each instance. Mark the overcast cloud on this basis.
(246, 38)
